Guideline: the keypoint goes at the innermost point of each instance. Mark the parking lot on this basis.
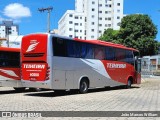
(143, 97)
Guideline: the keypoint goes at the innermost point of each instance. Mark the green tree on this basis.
(109, 35)
(158, 44)
(137, 31)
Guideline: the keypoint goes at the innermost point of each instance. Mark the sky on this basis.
(25, 12)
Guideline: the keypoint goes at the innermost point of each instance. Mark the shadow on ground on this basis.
(74, 92)
(15, 92)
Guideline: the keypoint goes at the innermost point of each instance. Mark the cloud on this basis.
(16, 11)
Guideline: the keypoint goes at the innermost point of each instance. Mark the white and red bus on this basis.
(10, 75)
(61, 63)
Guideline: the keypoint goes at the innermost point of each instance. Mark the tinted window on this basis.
(110, 53)
(120, 54)
(87, 51)
(59, 47)
(99, 52)
(73, 49)
(9, 59)
(129, 57)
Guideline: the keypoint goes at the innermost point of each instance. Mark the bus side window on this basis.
(10, 59)
(129, 57)
(120, 54)
(110, 53)
(87, 51)
(59, 47)
(99, 53)
(73, 49)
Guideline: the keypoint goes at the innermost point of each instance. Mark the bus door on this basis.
(137, 67)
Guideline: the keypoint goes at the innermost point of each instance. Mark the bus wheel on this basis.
(129, 83)
(21, 89)
(83, 88)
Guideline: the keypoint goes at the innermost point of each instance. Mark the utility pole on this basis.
(49, 9)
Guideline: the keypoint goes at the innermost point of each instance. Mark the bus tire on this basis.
(83, 88)
(21, 89)
(129, 83)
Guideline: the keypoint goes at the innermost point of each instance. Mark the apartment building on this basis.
(8, 28)
(90, 18)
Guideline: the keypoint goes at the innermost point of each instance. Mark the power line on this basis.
(49, 9)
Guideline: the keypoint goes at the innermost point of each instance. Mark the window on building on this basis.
(92, 16)
(76, 17)
(100, 31)
(70, 36)
(118, 17)
(70, 15)
(85, 19)
(100, 11)
(100, 5)
(70, 22)
(100, 25)
(80, 30)
(109, 25)
(100, 18)
(109, 18)
(106, 12)
(93, 9)
(92, 36)
(93, 2)
(76, 36)
(80, 24)
(80, 17)
(70, 29)
(118, 11)
(110, 5)
(92, 23)
(119, 24)
(118, 4)
(76, 24)
(75, 30)
(92, 30)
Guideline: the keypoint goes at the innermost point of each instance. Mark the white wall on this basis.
(14, 42)
(100, 15)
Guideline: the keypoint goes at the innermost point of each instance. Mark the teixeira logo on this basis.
(32, 46)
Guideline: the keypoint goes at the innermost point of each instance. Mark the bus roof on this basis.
(9, 49)
(103, 43)
(97, 42)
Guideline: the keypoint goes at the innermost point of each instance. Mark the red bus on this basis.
(61, 63)
(10, 68)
